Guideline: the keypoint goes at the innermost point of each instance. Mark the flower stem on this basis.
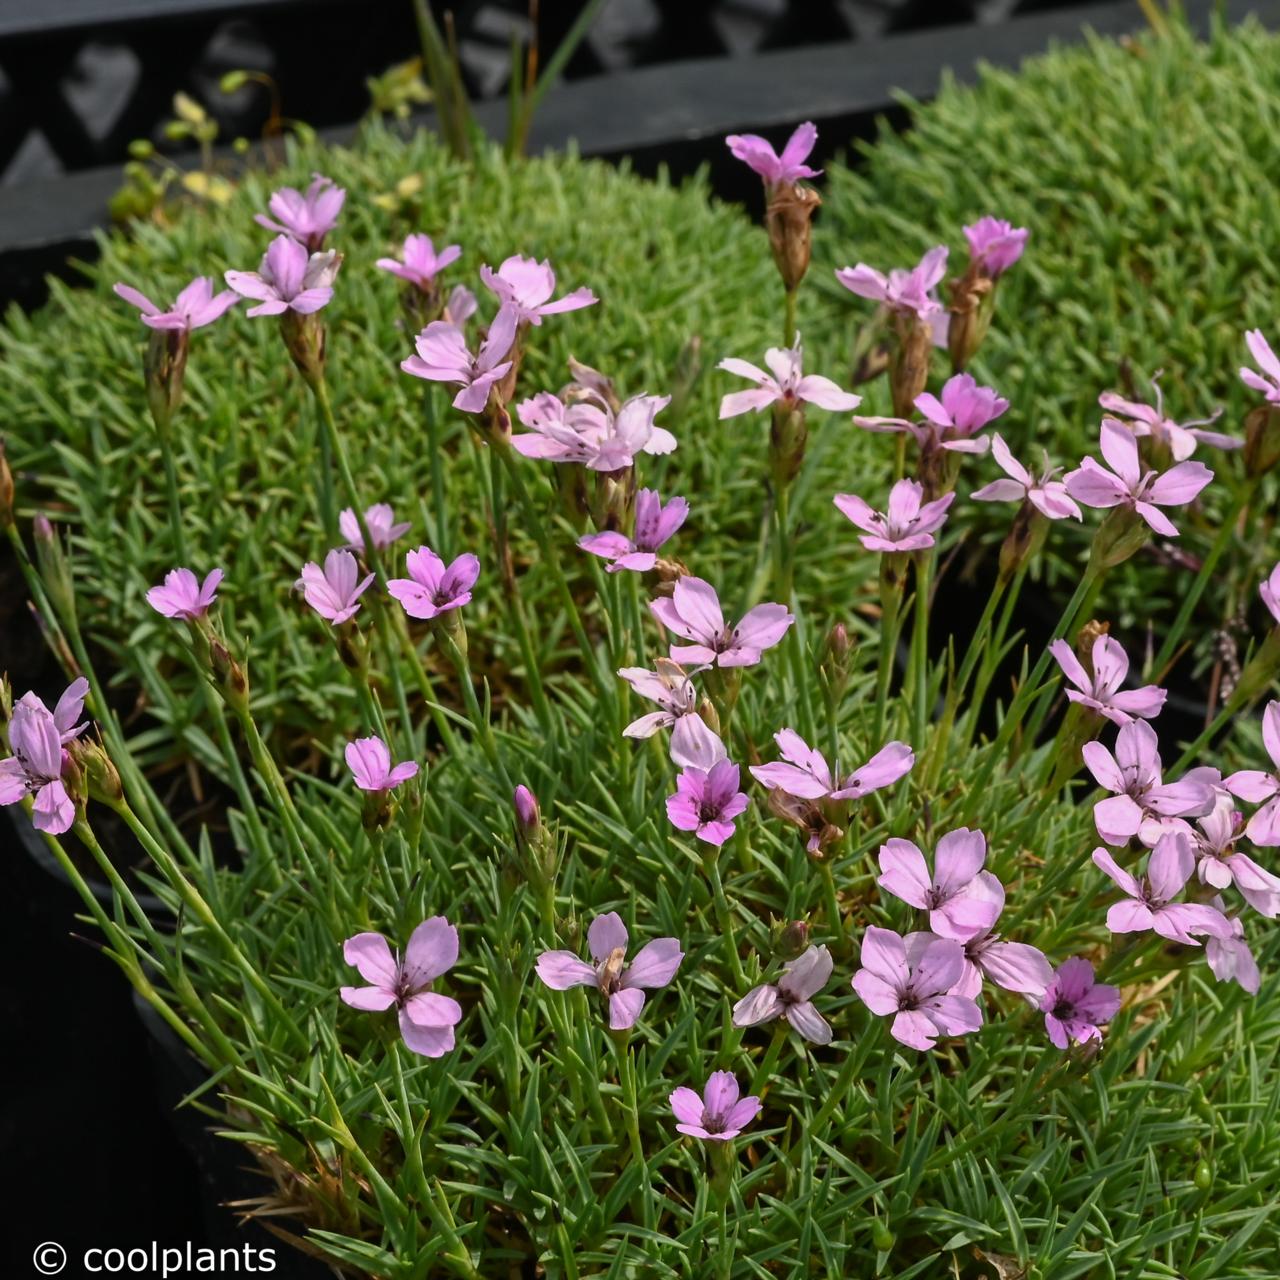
(164, 435)
(724, 918)
(920, 646)
(766, 1065)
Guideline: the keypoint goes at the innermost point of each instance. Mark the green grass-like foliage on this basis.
(541, 1139)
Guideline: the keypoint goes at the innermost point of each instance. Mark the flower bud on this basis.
(973, 303)
(528, 819)
(305, 340)
(1262, 439)
(6, 490)
(790, 939)
(787, 439)
(835, 664)
(1025, 538)
(164, 367)
(909, 363)
(101, 779)
(231, 676)
(788, 219)
(1121, 533)
(590, 382)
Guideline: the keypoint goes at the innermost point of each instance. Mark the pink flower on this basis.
(622, 985)
(525, 285)
(334, 592)
(1075, 1006)
(308, 217)
(707, 801)
(1256, 786)
(1230, 957)
(952, 422)
(427, 1020)
(1014, 966)
(1149, 901)
(909, 292)
(961, 898)
(443, 356)
(1142, 804)
(669, 687)
(459, 307)
(421, 263)
(1219, 864)
(1181, 439)
(1126, 484)
(288, 279)
(995, 245)
(525, 804)
(370, 763)
(380, 520)
(1269, 592)
(432, 589)
(719, 1114)
(912, 979)
(1101, 691)
(654, 525)
(197, 305)
(785, 169)
(787, 387)
(791, 997)
(589, 433)
(908, 525)
(36, 736)
(1047, 495)
(1268, 381)
(182, 595)
(693, 611)
(805, 774)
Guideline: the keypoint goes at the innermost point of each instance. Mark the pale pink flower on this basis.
(908, 525)
(791, 997)
(1219, 863)
(670, 687)
(1230, 957)
(621, 985)
(952, 422)
(1126, 484)
(910, 292)
(706, 801)
(36, 738)
(785, 169)
(288, 279)
(589, 433)
(1014, 966)
(1146, 420)
(655, 524)
(182, 595)
(443, 356)
(804, 773)
(693, 611)
(1256, 786)
(196, 306)
(427, 1020)
(306, 216)
(380, 520)
(1075, 1006)
(995, 245)
(1101, 691)
(459, 307)
(719, 1114)
(370, 763)
(1048, 495)
(1269, 591)
(432, 588)
(1268, 381)
(419, 263)
(526, 285)
(334, 592)
(788, 386)
(961, 898)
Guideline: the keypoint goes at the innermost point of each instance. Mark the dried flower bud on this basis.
(1262, 439)
(973, 303)
(909, 363)
(305, 340)
(787, 439)
(231, 676)
(789, 219)
(164, 366)
(1025, 538)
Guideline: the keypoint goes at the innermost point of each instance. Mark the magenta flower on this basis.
(1268, 381)
(707, 801)
(791, 997)
(525, 285)
(1014, 966)
(307, 217)
(1126, 484)
(1144, 420)
(622, 985)
(182, 595)
(777, 170)
(432, 589)
(693, 611)
(36, 736)
(908, 525)
(961, 898)
(589, 433)
(443, 356)
(197, 305)
(804, 773)
(1259, 787)
(911, 978)
(1219, 863)
(909, 292)
(459, 307)
(525, 804)
(1142, 804)
(1047, 495)
(380, 520)
(1101, 691)
(334, 592)
(420, 263)
(1075, 1007)
(719, 1114)
(995, 245)
(788, 385)
(1230, 957)
(951, 423)
(288, 279)
(370, 763)
(427, 1020)
(1149, 900)
(655, 524)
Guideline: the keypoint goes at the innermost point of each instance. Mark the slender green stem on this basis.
(890, 608)
(764, 1069)
(164, 435)
(724, 918)
(920, 646)
(789, 318)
